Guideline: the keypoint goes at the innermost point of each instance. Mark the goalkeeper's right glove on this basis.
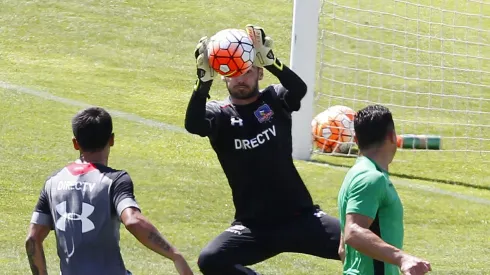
(204, 72)
(264, 56)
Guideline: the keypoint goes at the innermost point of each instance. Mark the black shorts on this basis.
(312, 232)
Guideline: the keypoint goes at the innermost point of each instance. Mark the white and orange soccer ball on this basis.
(333, 129)
(344, 110)
(231, 52)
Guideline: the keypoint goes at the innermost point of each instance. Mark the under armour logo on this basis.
(236, 229)
(270, 55)
(236, 120)
(319, 214)
(87, 210)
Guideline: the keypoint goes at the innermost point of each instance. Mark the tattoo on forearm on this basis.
(31, 253)
(44, 261)
(155, 238)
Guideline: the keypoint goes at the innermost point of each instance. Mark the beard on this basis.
(243, 91)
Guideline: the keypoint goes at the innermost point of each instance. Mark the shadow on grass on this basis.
(411, 177)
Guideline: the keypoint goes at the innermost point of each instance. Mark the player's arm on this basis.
(41, 224)
(200, 119)
(140, 227)
(34, 248)
(364, 200)
(292, 88)
(365, 241)
(363, 203)
(341, 250)
(358, 236)
(147, 234)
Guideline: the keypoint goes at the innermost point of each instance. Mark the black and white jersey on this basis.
(254, 146)
(82, 203)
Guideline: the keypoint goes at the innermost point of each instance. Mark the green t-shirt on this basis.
(367, 190)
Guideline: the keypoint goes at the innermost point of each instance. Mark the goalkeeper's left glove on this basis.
(264, 56)
(204, 71)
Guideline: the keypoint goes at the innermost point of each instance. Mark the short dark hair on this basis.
(92, 127)
(371, 125)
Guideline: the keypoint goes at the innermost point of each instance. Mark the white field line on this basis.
(413, 185)
(114, 113)
(164, 126)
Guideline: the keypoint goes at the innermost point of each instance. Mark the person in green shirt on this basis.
(370, 211)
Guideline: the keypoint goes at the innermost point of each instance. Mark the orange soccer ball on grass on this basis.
(231, 52)
(333, 130)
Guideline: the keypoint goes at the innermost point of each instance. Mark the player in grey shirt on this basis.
(85, 203)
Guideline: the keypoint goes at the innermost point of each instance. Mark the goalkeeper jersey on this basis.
(367, 190)
(253, 144)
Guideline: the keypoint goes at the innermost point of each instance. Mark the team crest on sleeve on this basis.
(264, 113)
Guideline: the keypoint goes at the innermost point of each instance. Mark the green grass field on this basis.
(137, 57)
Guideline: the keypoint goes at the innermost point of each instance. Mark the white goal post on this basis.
(428, 61)
(304, 39)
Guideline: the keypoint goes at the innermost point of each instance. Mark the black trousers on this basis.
(312, 232)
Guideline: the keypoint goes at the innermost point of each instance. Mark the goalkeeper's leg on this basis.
(232, 251)
(314, 233)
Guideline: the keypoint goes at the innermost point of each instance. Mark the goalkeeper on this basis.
(250, 132)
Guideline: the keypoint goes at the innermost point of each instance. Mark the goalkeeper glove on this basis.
(204, 71)
(264, 56)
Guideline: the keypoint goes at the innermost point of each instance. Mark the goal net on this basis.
(428, 61)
